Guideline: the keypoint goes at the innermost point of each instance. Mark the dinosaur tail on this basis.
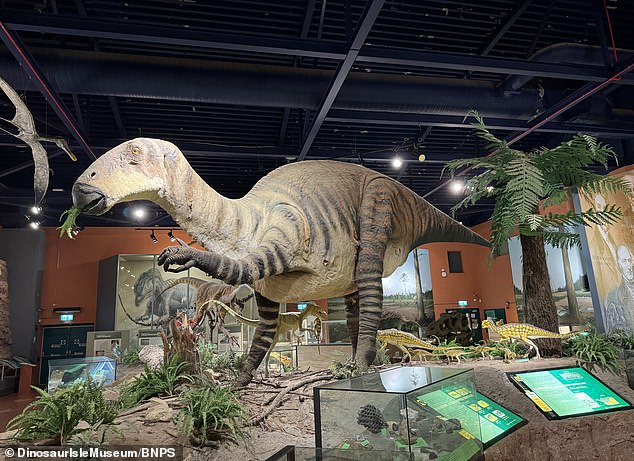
(241, 318)
(439, 227)
(192, 281)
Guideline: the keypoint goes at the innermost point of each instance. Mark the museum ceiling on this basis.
(245, 86)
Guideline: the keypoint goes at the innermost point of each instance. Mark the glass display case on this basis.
(293, 453)
(283, 358)
(422, 411)
(64, 372)
(137, 295)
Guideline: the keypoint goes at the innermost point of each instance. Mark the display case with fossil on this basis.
(421, 411)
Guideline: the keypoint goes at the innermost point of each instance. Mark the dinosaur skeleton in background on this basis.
(23, 121)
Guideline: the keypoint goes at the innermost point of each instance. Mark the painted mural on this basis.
(611, 250)
(568, 282)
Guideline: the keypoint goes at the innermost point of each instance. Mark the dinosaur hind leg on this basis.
(375, 224)
(262, 339)
(352, 319)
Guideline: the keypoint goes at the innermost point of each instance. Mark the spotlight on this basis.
(34, 225)
(35, 209)
(77, 230)
(457, 186)
(397, 162)
(170, 234)
(139, 213)
(490, 189)
(421, 158)
(153, 238)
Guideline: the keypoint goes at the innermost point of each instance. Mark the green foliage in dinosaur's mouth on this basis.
(69, 223)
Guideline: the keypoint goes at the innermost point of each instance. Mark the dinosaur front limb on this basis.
(268, 260)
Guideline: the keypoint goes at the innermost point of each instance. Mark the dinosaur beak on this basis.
(89, 199)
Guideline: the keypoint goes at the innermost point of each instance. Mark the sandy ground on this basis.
(606, 437)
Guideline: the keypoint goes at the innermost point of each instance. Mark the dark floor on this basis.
(11, 405)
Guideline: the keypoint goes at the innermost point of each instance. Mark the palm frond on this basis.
(610, 215)
(561, 239)
(525, 186)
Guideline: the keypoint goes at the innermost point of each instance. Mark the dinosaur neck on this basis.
(217, 223)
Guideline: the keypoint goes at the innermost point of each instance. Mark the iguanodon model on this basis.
(307, 230)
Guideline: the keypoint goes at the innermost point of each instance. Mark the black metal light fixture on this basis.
(170, 234)
(153, 238)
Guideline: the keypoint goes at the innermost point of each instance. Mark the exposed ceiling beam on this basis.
(499, 33)
(297, 47)
(605, 129)
(31, 68)
(115, 30)
(366, 21)
(308, 14)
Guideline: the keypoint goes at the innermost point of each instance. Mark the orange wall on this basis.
(71, 271)
(484, 286)
(71, 267)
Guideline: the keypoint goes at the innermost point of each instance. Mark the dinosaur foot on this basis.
(243, 379)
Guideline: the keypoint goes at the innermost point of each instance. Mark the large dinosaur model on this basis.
(524, 332)
(23, 121)
(288, 322)
(307, 230)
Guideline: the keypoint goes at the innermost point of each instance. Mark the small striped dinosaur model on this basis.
(405, 341)
(524, 332)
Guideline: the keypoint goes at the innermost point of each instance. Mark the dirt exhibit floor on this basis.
(606, 437)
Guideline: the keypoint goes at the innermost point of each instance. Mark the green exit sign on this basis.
(66, 317)
(463, 303)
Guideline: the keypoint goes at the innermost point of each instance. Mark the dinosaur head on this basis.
(134, 170)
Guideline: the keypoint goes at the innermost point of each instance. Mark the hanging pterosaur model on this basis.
(23, 121)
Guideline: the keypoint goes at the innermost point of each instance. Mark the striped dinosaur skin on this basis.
(524, 332)
(307, 230)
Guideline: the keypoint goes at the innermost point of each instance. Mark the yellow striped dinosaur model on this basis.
(307, 230)
(405, 341)
(287, 322)
(524, 332)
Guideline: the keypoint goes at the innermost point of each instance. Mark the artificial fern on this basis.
(524, 182)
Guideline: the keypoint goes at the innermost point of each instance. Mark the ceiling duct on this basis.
(154, 77)
(565, 53)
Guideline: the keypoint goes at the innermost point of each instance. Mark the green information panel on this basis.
(496, 422)
(564, 392)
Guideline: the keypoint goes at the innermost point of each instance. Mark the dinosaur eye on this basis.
(136, 151)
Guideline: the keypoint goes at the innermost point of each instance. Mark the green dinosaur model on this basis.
(307, 230)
